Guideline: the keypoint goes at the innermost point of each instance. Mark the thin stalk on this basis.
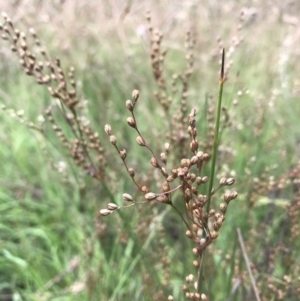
(199, 276)
(247, 261)
(214, 156)
(229, 283)
(216, 134)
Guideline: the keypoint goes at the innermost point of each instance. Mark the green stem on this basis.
(214, 157)
(199, 283)
(216, 134)
(232, 263)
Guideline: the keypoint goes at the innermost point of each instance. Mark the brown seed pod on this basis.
(127, 197)
(105, 212)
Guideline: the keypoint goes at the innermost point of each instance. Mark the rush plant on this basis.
(201, 209)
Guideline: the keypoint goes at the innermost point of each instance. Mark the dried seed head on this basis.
(150, 196)
(193, 112)
(107, 128)
(196, 263)
(188, 194)
(131, 122)
(174, 172)
(194, 132)
(234, 195)
(194, 146)
(4, 15)
(219, 222)
(185, 288)
(185, 163)
(204, 297)
(200, 155)
(112, 206)
(189, 234)
(170, 178)
(32, 32)
(164, 172)
(163, 199)
(127, 197)
(170, 298)
(166, 187)
(113, 140)
(287, 279)
(195, 227)
(167, 147)
(131, 172)
(206, 157)
(202, 242)
(230, 181)
(23, 45)
(145, 189)
(163, 157)
(223, 207)
(189, 278)
(217, 215)
(129, 105)
(4, 37)
(201, 199)
(123, 154)
(135, 95)
(23, 64)
(198, 180)
(154, 162)
(214, 234)
(194, 160)
(105, 212)
(182, 172)
(140, 141)
(216, 226)
(193, 179)
(204, 179)
(228, 196)
(223, 181)
(56, 128)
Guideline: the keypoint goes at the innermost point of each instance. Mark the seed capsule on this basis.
(140, 141)
(127, 197)
(113, 140)
(107, 129)
(112, 206)
(131, 122)
(230, 181)
(135, 95)
(129, 105)
(150, 196)
(105, 212)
